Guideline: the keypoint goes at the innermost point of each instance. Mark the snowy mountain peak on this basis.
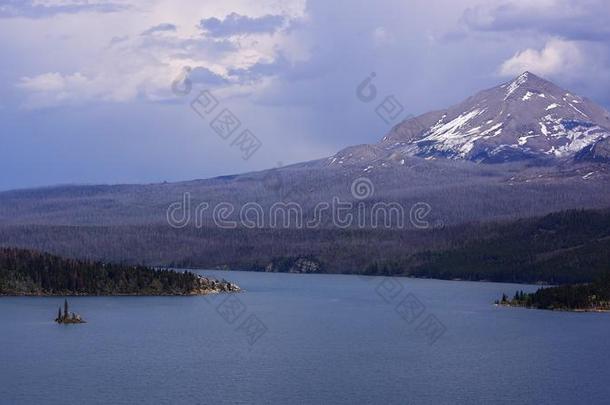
(528, 85)
(516, 84)
(526, 118)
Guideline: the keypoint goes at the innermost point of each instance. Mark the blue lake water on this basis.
(305, 339)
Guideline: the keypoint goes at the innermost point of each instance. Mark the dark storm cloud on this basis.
(585, 20)
(235, 24)
(166, 27)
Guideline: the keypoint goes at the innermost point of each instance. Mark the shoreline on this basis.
(43, 295)
(219, 288)
(575, 310)
(534, 284)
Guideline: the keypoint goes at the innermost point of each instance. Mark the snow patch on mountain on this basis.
(523, 139)
(515, 84)
(451, 129)
(525, 118)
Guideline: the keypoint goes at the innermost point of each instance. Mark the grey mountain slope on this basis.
(597, 152)
(435, 159)
(525, 118)
(457, 191)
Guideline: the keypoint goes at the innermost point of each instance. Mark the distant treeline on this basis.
(24, 272)
(579, 297)
(565, 247)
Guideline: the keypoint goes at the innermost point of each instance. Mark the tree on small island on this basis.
(502, 301)
(68, 317)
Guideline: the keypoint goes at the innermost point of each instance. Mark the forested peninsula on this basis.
(32, 273)
(589, 297)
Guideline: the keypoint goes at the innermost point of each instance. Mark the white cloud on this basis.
(582, 66)
(562, 40)
(557, 56)
(96, 66)
(49, 89)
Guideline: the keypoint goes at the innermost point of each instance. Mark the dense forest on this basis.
(565, 247)
(25, 272)
(593, 296)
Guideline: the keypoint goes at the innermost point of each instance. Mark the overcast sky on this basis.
(87, 85)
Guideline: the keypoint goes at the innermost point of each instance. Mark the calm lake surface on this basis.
(305, 339)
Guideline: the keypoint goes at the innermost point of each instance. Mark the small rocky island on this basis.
(590, 297)
(30, 273)
(67, 317)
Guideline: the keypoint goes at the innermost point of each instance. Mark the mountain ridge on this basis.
(528, 118)
(458, 189)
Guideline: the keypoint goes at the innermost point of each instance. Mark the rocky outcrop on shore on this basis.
(207, 285)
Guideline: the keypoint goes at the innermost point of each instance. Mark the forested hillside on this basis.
(565, 247)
